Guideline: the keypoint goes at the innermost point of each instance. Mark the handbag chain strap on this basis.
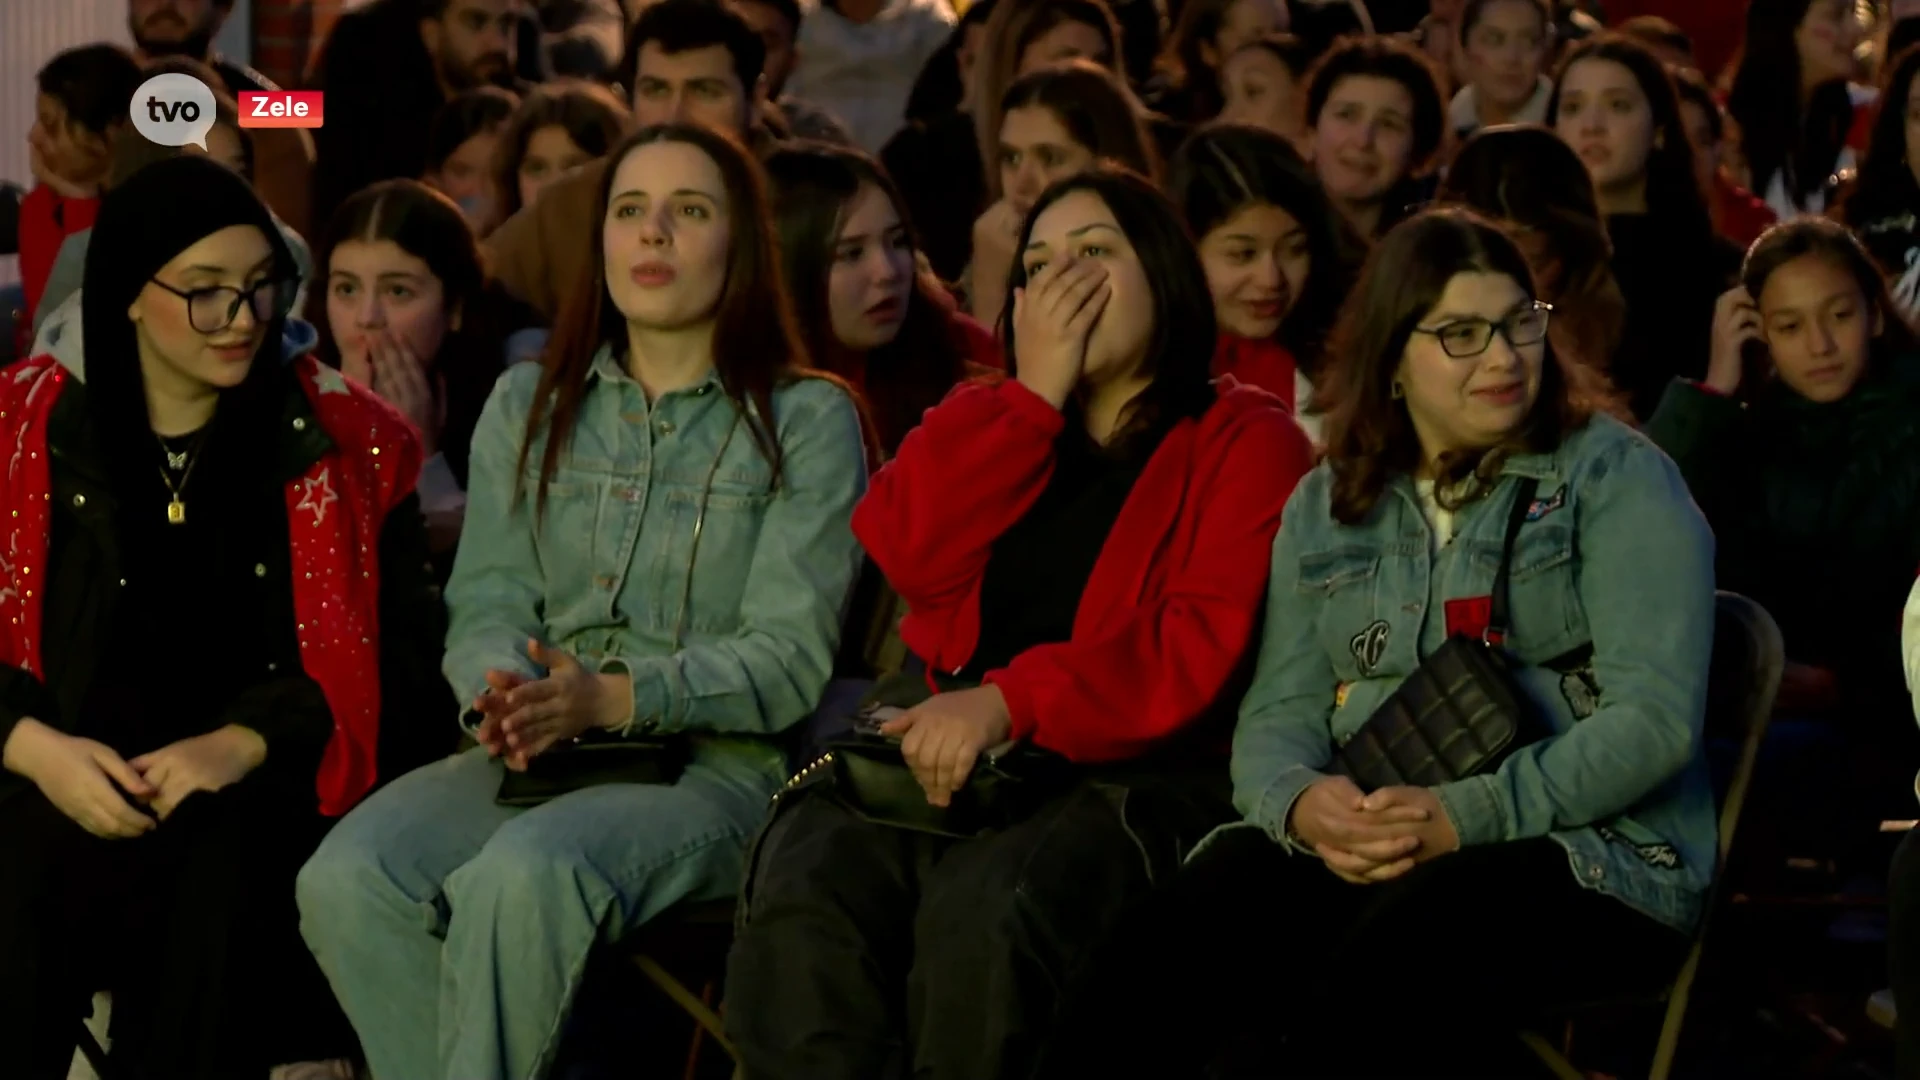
(1500, 616)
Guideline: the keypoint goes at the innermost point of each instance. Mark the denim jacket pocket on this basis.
(570, 538)
(1543, 594)
(1347, 581)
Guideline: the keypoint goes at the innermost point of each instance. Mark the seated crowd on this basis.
(982, 494)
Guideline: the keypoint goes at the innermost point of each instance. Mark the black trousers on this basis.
(1903, 954)
(1255, 962)
(192, 927)
(868, 952)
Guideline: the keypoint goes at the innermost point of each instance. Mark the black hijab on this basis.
(143, 224)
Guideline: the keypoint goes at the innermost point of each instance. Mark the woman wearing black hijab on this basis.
(207, 551)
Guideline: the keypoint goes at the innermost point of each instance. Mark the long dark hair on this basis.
(1223, 169)
(756, 344)
(1674, 197)
(593, 118)
(1369, 435)
(1886, 182)
(1763, 97)
(1093, 105)
(1196, 28)
(428, 226)
(1014, 25)
(1180, 354)
(1531, 179)
(814, 186)
(1832, 241)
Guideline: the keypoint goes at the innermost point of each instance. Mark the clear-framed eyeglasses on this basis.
(1464, 339)
(213, 309)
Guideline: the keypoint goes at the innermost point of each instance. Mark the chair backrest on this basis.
(1748, 658)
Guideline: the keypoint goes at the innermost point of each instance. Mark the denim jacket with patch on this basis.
(665, 550)
(1612, 627)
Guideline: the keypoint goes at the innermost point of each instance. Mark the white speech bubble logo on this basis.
(173, 110)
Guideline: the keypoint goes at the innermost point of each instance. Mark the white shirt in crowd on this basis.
(862, 73)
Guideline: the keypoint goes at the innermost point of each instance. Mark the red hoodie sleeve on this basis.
(1113, 698)
(975, 464)
(46, 220)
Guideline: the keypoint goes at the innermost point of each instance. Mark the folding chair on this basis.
(1748, 657)
(698, 936)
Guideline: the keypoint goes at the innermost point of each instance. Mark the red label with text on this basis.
(1470, 616)
(281, 109)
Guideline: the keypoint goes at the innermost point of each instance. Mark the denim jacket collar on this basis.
(606, 365)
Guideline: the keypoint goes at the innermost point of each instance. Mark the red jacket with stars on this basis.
(1175, 595)
(335, 512)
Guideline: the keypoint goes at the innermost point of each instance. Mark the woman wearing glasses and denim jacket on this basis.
(212, 597)
(658, 543)
(1573, 871)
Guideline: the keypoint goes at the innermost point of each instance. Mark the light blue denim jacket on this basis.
(604, 575)
(1613, 553)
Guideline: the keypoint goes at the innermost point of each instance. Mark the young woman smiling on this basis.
(1279, 260)
(1377, 118)
(1082, 548)
(1530, 181)
(1615, 104)
(202, 492)
(1448, 406)
(666, 553)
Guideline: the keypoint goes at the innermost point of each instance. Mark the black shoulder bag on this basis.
(868, 775)
(1459, 713)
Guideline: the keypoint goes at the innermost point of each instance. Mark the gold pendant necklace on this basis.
(176, 506)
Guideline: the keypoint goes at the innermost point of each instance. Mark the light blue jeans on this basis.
(456, 931)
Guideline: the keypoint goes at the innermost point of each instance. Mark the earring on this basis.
(1398, 391)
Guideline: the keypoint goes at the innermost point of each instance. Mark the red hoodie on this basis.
(1175, 596)
(47, 218)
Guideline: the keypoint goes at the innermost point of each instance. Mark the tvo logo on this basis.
(173, 110)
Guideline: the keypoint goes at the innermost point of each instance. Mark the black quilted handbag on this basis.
(1459, 713)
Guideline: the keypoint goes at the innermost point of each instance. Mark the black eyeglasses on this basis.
(1466, 338)
(212, 310)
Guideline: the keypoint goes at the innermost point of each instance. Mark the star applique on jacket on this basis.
(316, 495)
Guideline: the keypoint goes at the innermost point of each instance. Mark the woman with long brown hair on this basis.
(1053, 123)
(1452, 432)
(665, 555)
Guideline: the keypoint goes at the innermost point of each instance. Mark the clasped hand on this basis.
(105, 794)
(522, 718)
(943, 736)
(1371, 838)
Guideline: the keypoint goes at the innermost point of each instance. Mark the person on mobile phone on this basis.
(1802, 445)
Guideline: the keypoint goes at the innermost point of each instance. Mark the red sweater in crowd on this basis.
(1174, 599)
(1261, 362)
(46, 220)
